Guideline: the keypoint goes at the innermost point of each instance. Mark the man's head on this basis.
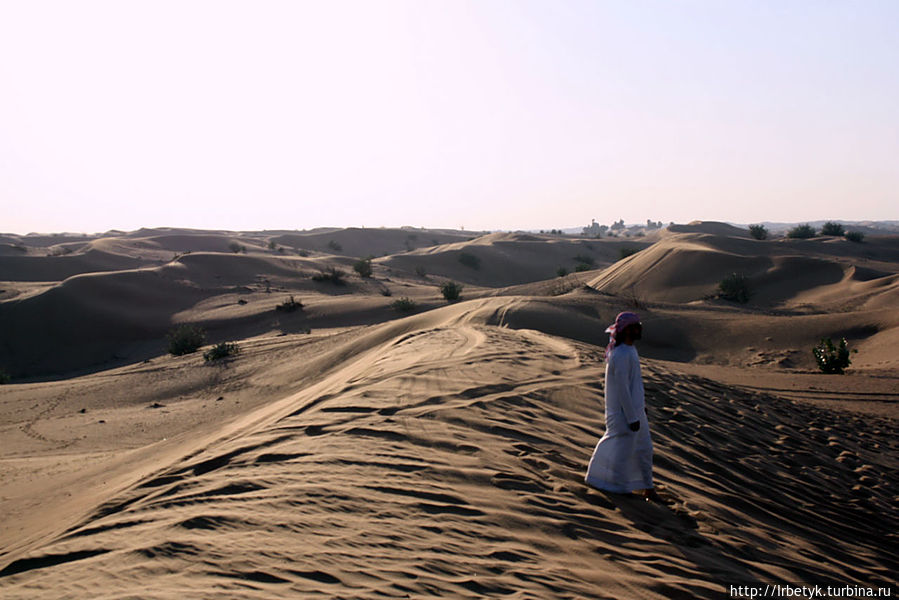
(626, 329)
(630, 334)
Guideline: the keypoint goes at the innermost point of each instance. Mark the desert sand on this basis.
(355, 451)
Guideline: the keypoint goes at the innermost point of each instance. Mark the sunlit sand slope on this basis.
(444, 458)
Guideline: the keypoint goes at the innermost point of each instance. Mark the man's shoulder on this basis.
(622, 353)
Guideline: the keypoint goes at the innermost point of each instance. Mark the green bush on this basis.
(290, 305)
(451, 291)
(272, 245)
(385, 291)
(236, 248)
(335, 246)
(403, 304)
(4, 377)
(582, 267)
(831, 228)
(584, 259)
(625, 252)
(561, 271)
(830, 358)
(855, 236)
(734, 287)
(470, 260)
(801, 232)
(185, 339)
(219, 351)
(759, 232)
(332, 274)
(363, 267)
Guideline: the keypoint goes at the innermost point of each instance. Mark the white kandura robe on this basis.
(622, 459)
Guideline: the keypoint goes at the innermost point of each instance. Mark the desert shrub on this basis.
(404, 304)
(385, 291)
(332, 274)
(4, 377)
(801, 232)
(272, 245)
(831, 228)
(759, 232)
(219, 351)
(830, 358)
(335, 246)
(421, 271)
(582, 267)
(855, 236)
(236, 248)
(303, 253)
(185, 339)
(470, 260)
(451, 291)
(625, 252)
(289, 305)
(561, 271)
(734, 287)
(585, 259)
(363, 267)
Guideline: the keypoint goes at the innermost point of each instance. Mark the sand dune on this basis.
(506, 259)
(352, 450)
(457, 439)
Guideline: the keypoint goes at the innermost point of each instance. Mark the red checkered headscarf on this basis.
(621, 321)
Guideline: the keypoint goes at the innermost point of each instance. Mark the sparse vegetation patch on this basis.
(801, 232)
(332, 274)
(831, 228)
(451, 291)
(855, 236)
(363, 267)
(470, 260)
(4, 377)
(404, 304)
(734, 287)
(759, 232)
(830, 358)
(289, 306)
(184, 339)
(625, 252)
(220, 351)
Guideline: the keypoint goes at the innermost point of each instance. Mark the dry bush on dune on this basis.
(470, 260)
(220, 351)
(404, 304)
(855, 236)
(830, 358)
(801, 232)
(759, 232)
(332, 274)
(185, 339)
(363, 267)
(290, 305)
(831, 228)
(4, 377)
(451, 291)
(734, 287)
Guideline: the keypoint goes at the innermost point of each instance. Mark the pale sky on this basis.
(488, 115)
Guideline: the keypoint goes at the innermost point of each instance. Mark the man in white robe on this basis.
(622, 459)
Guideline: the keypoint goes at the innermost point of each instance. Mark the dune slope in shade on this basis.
(448, 462)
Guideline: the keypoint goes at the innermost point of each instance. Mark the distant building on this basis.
(594, 229)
